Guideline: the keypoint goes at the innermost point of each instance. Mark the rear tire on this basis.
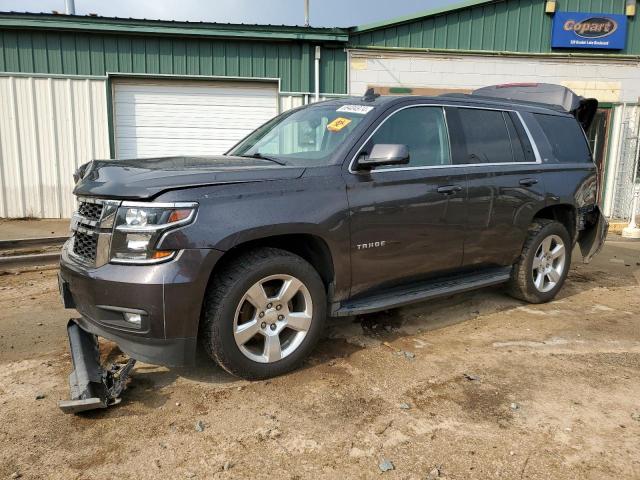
(263, 314)
(544, 263)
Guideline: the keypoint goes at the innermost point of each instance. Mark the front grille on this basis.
(85, 246)
(91, 226)
(90, 211)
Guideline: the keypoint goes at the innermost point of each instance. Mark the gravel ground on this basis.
(474, 386)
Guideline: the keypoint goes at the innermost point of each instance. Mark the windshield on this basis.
(308, 136)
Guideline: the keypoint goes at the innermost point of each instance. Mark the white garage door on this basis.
(160, 118)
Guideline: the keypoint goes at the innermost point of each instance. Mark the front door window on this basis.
(423, 130)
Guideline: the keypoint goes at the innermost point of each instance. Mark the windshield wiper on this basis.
(264, 157)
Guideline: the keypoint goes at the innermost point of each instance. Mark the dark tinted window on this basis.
(486, 136)
(423, 130)
(523, 138)
(566, 138)
(516, 144)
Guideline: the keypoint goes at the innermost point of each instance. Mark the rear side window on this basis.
(423, 130)
(488, 136)
(566, 138)
(521, 136)
(516, 145)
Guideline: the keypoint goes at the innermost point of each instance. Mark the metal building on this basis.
(75, 88)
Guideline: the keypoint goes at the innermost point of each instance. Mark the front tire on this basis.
(263, 314)
(544, 263)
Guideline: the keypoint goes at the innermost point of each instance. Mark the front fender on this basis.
(591, 239)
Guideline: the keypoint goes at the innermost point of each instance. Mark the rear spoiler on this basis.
(584, 109)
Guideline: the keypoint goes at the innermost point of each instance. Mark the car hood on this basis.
(146, 178)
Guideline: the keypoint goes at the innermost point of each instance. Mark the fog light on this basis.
(134, 318)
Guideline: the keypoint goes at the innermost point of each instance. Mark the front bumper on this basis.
(92, 386)
(168, 297)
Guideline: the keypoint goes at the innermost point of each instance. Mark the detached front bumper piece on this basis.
(91, 385)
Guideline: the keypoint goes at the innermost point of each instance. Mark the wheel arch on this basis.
(564, 213)
(310, 247)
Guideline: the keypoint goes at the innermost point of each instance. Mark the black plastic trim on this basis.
(418, 292)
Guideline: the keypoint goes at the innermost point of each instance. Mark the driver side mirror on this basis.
(384, 154)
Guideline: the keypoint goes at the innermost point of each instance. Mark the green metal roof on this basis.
(97, 46)
(419, 15)
(55, 52)
(77, 23)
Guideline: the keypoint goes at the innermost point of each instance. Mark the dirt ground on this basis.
(470, 387)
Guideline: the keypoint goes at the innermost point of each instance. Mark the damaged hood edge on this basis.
(146, 178)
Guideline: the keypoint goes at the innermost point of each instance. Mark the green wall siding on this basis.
(70, 53)
(510, 25)
(507, 25)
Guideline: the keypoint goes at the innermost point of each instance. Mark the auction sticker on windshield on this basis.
(359, 109)
(338, 124)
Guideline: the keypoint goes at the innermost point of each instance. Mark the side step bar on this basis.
(92, 386)
(423, 291)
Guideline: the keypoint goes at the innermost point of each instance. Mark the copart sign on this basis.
(589, 30)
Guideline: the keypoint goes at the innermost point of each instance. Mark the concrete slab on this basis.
(12, 229)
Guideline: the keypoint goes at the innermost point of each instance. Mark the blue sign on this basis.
(589, 30)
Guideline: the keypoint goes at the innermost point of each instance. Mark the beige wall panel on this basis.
(48, 127)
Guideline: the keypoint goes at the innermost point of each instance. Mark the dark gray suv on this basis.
(338, 208)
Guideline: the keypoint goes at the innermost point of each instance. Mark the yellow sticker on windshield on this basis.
(338, 124)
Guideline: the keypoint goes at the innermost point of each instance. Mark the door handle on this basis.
(527, 182)
(449, 189)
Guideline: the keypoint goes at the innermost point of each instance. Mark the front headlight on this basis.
(136, 216)
(138, 227)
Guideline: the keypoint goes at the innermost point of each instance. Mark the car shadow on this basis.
(616, 267)
(345, 336)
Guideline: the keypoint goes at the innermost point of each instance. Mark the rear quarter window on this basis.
(486, 136)
(565, 139)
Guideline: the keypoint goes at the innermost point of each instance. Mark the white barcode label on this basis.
(359, 109)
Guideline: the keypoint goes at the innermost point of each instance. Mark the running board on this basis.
(419, 292)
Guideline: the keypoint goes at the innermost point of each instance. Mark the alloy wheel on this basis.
(273, 318)
(549, 263)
